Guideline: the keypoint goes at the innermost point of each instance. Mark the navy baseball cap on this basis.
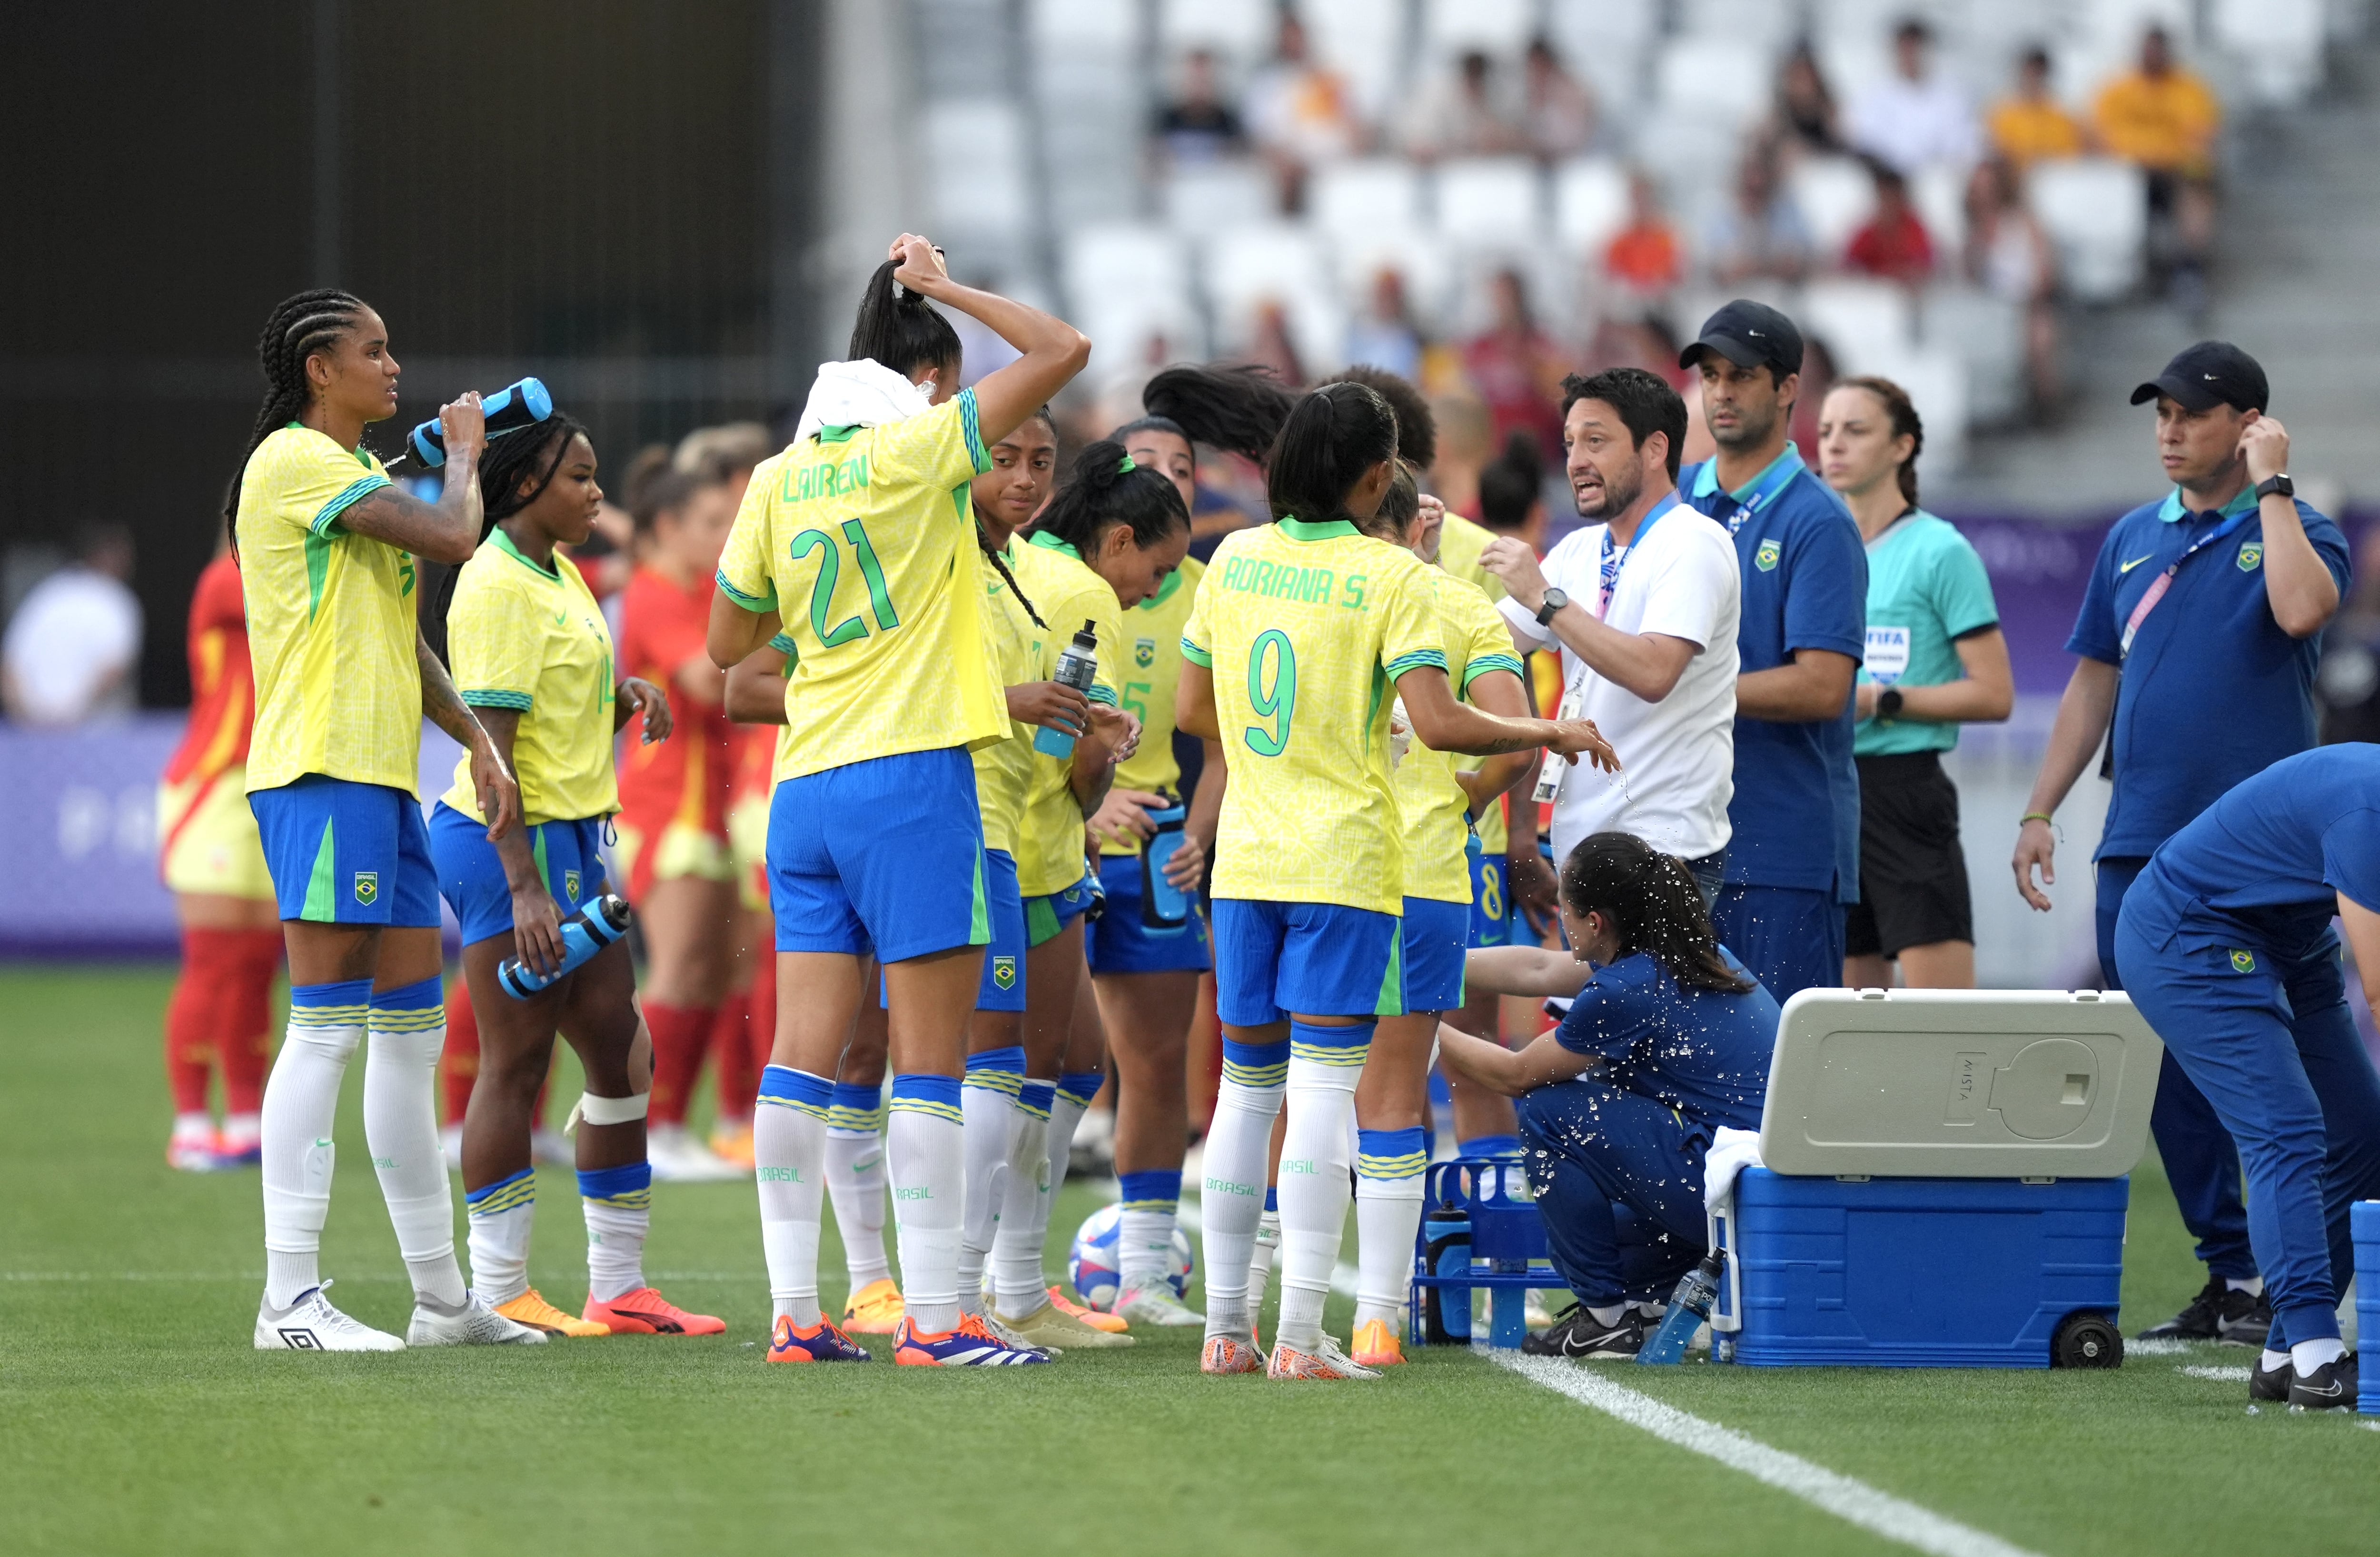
(1748, 334)
(2209, 374)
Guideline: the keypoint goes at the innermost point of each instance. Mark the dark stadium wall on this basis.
(603, 192)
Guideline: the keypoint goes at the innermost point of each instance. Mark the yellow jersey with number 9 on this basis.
(1306, 628)
(1065, 593)
(1147, 674)
(1003, 768)
(863, 541)
(1433, 805)
(330, 620)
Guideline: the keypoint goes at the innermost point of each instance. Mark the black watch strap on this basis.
(1555, 601)
(2276, 486)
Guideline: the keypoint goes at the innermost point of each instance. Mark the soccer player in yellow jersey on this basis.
(859, 543)
(1438, 803)
(326, 546)
(530, 652)
(1303, 632)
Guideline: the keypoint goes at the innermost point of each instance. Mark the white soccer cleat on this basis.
(475, 1324)
(310, 1324)
(678, 1158)
(1155, 1304)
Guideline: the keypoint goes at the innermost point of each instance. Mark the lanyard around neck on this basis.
(2164, 581)
(1615, 561)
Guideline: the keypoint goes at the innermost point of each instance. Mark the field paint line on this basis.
(2220, 1375)
(1847, 1499)
(2159, 1348)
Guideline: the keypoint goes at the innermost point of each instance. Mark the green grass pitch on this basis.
(135, 1418)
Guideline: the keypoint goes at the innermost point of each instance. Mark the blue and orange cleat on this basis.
(972, 1345)
(822, 1342)
(647, 1312)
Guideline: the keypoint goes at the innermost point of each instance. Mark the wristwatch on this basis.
(2276, 486)
(1887, 703)
(1555, 601)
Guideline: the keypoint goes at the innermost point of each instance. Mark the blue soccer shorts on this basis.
(471, 876)
(347, 853)
(1431, 941)
(1002, 988)
(883, 855)
(1120, 942)
(1317, 959)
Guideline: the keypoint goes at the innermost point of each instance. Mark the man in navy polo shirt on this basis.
(2198, 638)
(1792, 862)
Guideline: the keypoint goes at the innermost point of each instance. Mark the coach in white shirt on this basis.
(1643, 606)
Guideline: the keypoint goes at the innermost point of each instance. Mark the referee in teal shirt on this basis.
(2197, 644)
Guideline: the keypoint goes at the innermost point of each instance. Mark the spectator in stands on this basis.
(73, 650)
(1645, 259)
(2009, 257)
(1269, 344)
(1805, 107)
(1760, 231)
(1516, 367)
(1557, 110)
(2031, 123)
(1459, 116)
(1467, 438)
(1384, 333)
(2163, 119)
(1300, 114)
(2196, 643)
(1197, 126)
(1892, 243)
(1917, 117)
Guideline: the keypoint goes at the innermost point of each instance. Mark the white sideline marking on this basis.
(2220, 1375)
(2159, 1348)
(1855, 1502)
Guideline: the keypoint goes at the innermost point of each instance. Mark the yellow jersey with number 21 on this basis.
(1306, 628)
(863, 542)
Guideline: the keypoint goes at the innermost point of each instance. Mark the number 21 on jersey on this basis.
(830, 570)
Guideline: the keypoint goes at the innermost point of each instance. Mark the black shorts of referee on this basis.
(1912, 872)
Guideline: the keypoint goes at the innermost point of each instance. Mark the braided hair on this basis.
(529, 459)
(1106, 488)
(297, 329)
(1654, 905)
(1237, 410)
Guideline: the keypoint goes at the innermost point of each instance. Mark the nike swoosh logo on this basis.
(2136, 561)
(562, 618)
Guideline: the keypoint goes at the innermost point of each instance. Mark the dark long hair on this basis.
(1511, 484)
(1400, 507)
(1903, 414)
(297, 328)
(1416, 423)
(1654, 905)
(1333, 436)
(1106, 488)
(1237, 410)
(904, 333)
(526, 460)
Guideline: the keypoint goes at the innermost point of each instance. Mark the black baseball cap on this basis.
(1749, 335)
(2209, 374)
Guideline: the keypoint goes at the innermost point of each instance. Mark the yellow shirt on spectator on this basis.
(2165, 124)
(2025, 130)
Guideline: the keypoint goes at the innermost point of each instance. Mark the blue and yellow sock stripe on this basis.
(507, 1193)
(417, 1007)
(936, 1097)
(997, 1070)
(1079, 1087)
(1153, 1190)
(1256, 1064)
(784, 1087)
(859, 1110)
(628, 1187)
(1390, 1154)
(347, 1004)
(1339, 1048)
(1035, 1098)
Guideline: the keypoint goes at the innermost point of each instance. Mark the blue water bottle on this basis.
(509, 409)
(1078, 666)
(1689, 1307)
(1163, 907)
(1446, 1249)
(584, 934)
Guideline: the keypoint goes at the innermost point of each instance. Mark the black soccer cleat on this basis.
(2269, 1388)
(1577, 1333)
(2218, 1313)
(2331, 1387)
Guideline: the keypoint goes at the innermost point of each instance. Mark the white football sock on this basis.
(1151, 1201)
(407, 1029)
(616, 1249)
(855, 1178)
(987, 1099)
(1017, 1286)
(2308, 1357)
(1323, 1066)
(500, 1216)
(925, 1147)
(2272, 1359)
(193, 1128)
(1389, 1166)
(1231, 1193)
(2253, 1285)
(789, 1160)
(302, 1100)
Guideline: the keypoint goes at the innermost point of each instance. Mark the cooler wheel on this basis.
(2087, 1340)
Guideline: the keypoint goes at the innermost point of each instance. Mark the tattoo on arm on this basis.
(441, 704)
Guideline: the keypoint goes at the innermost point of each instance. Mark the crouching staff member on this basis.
(1667, 1040)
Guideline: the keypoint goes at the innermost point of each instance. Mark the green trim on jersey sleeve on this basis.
(1486, 662)
(754, 603)
(969, 422)
(783, 644)
(1099, 694)
(1415, 659)
(490, 697)
(1196, 656)
(354, 493)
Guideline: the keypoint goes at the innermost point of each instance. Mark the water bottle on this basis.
(1446, 1313)
(1078, 667)
(509, 409)
(1689, 1307)
(584, 934)
(1163, 906)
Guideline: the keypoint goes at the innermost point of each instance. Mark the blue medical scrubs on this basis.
(1792, 862)
(1616, 1156)
(2225, 943)
(2213, 692)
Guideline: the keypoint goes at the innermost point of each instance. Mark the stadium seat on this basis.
(1939, 192)
(1604, 42)
(1497, 27)
(1836, 195)
(1075, 24)
(1274, 262)
(1204, 197)
(1364, 42)
(975, 168)
(1936, 382)
(1489, 201)
(2096, 211)
(1763, 24)
(1722, 78)
(1862, 321)
(2277, 43)
(1239, 30)
(1349, 198)
(1590, 202)
(1985, 332)
(1127, 282)
(1423, 260)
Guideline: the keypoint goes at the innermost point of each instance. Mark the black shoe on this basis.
(2332, 1387)
(2217, 1313)
(2245, 1324)
(2271, 1388)
(1577, 1333)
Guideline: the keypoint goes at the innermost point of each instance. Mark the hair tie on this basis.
(1125, 467)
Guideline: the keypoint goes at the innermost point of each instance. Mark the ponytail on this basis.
(1902, 412)
(528, 459)
(1655, 907)
(1333, 436)
(1106, 488)
(1239, 410)
(898, 329)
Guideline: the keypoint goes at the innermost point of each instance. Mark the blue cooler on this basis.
(2366, 1228)
(1944, 1182)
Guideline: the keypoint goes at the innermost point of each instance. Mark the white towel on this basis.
(1730, 1152)
(862, 393)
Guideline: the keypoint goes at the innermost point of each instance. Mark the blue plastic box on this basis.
(2365, 1225)
(1923, 1272)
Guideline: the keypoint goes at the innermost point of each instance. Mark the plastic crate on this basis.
(2366, 1228)
(1928, 1273)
